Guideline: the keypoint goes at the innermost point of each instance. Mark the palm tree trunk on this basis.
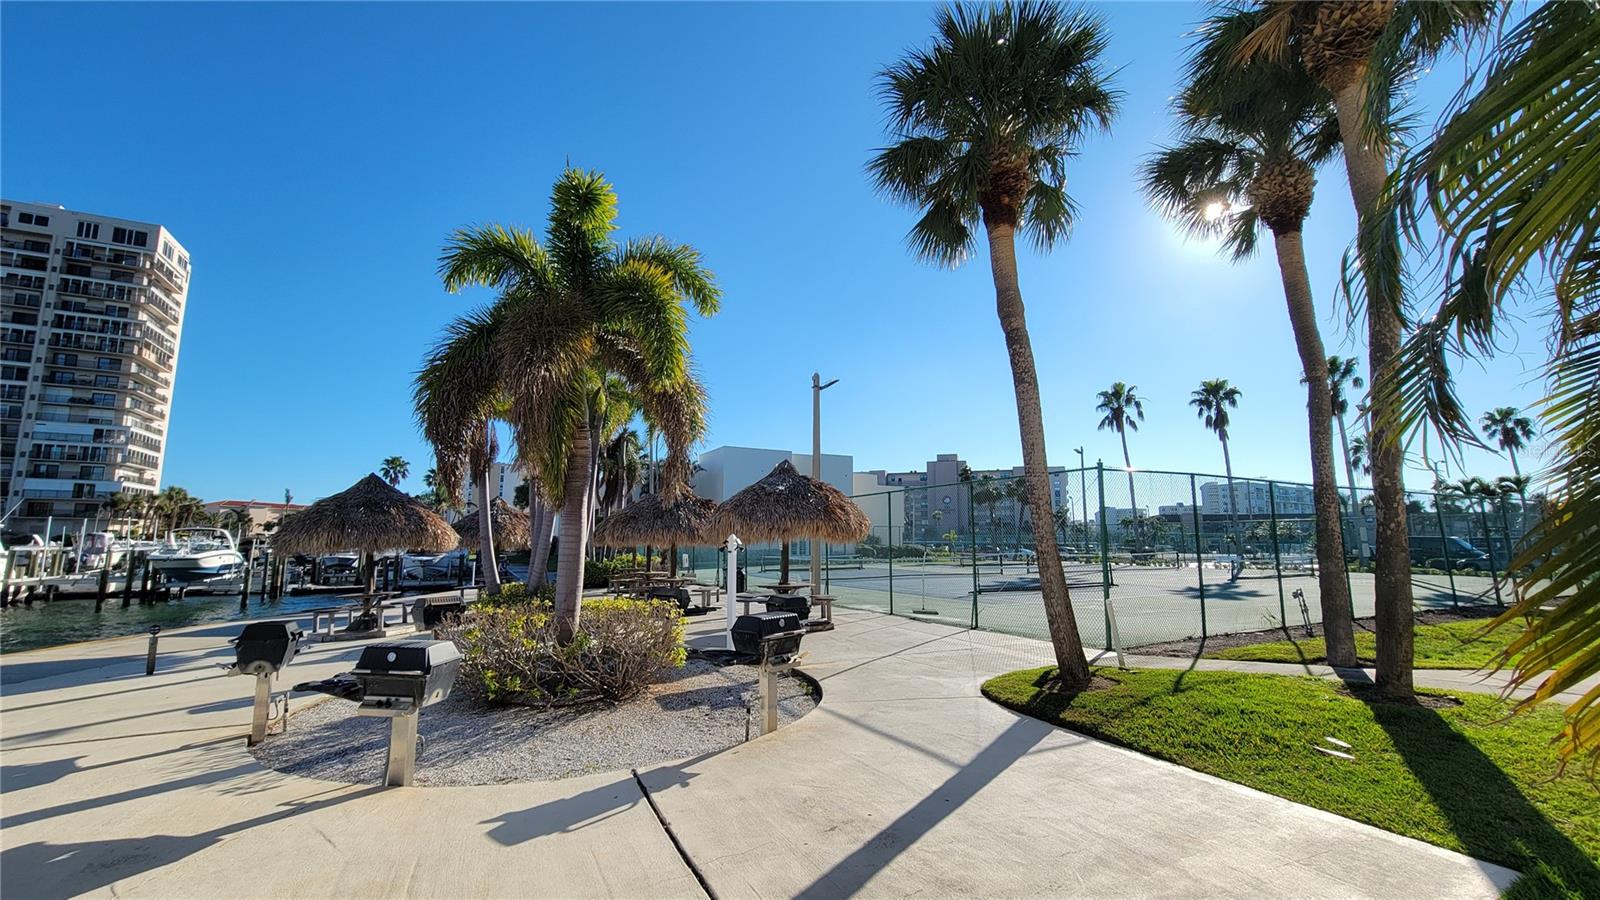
(1233, 508)
(574, 534)
(1367, 168)
(1355, 502)
(1072, 668)
(1515, 469)
(783, 563)
(1127, 465)
(1332, 586)
(486, 555)
(543, 534)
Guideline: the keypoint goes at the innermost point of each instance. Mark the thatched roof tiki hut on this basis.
(368, 516)
(786, 505)
(509, 524)
(673, 519)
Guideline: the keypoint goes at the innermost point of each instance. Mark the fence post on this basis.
(1277, 554)
(1444, 546)
(1199, 565)
(1488, 540)
(1505, 529)
(889, 502)
(972, 532)
(1105, 547)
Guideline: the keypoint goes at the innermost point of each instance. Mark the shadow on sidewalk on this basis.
(1485, 810)
(855, 870)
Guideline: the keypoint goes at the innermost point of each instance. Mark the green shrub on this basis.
(598, 572)
(515, 593)
(510, 655)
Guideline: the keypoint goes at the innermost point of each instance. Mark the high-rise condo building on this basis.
(92, 312)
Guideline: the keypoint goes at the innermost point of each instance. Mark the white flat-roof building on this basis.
(724, 471)
(1255, 500)
(92, 310)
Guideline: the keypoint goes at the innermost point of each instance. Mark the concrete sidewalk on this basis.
(903, 781)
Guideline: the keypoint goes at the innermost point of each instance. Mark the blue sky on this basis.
(313, 158)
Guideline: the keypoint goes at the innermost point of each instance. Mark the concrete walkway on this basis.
(903, 781)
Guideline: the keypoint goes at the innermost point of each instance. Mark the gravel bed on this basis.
(699, 710)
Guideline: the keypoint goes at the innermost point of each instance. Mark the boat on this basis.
(437, 569)
(197, 555)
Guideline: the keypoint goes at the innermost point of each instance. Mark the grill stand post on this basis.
(769, 694)
(259, 713)
(402, 750)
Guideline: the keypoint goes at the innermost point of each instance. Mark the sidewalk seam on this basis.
(672, 836)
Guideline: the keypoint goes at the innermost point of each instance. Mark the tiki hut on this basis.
(368, 516)
(661, 520)
(786, 505)
(510, 526)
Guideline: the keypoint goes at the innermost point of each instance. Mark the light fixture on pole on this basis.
(1083, 492)
(817, 387)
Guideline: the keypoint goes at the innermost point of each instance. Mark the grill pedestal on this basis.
(402, 716)
(262, 709)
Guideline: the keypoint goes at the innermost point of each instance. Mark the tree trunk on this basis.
(1332, 586)
(486, 554)
(1127, 466)
(1233, 510)
(1355, 501)
(1073, 669)
(1367, 168)
(1515, 469)
(574, 534)
(783, 563)
(594, 476)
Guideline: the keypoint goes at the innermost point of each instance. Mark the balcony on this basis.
(108, 255)
(30, 246)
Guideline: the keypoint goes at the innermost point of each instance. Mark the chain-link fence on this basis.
(1149, 556)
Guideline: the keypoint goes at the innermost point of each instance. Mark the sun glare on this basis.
(1215, 210)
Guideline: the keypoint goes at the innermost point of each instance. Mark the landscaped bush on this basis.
(515, 593)
(597, 573)
(510, 655)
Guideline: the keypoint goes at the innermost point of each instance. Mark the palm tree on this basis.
(571, 310)
(238, 520)
(1358, 456)
(1016, 490)
(394, 470)
(1250, 140)
(1501, 184)
(1211, 402)
(1363, 52)
(1124, 410)
(983, 124)
(1344, 371)
(1510, 429)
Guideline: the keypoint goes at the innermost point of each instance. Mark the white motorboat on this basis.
(194, 555)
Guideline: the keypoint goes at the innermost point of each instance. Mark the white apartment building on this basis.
(1255, 500)
(724, 471)
(92, 309)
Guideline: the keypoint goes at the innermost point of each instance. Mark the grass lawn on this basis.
(1448, 645)
(1460, 777)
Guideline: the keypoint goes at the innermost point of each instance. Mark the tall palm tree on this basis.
(1016, 490)
(1211, 401)
(983, 124)
(1358, 456)
(1344, 371)
(1510, 429)
(570, 310)
(1124, 410)
(1502, 185)
(394, 470)
(1363, 52)
(1249, 142)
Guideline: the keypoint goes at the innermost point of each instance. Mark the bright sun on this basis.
(1215, 210)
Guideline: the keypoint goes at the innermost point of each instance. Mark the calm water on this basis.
(69, 621)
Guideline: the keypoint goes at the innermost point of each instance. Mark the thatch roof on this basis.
(684, 520)
(510, 525)
(786, 505)
(370, 515)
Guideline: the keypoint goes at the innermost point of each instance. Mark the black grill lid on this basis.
(406, 656)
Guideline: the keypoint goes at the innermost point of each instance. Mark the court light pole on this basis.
(1083, 492)
(817, 387)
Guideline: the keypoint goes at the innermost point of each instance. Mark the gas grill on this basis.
(264, 649)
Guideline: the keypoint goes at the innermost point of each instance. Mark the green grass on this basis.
(1465, 777)
(1449, 645)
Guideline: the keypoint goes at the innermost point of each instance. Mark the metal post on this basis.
(258, 714)
(972, 533)
(732, 546)
(1277, 555)
(769, 698)
(402, 750)
(1105, 548)
(1494, 576)
(1199, 563)
(889, 502)
(150, 654)
(817, 387)
(1444, 545)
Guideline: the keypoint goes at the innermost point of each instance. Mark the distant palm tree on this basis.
(1358, 456)
(1510, 429)
(394, 470)
(1211, 401)
(1124, 410)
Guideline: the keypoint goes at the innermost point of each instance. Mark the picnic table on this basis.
(787, 587)
(379, 600)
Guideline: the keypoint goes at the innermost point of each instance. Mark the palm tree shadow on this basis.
(1484, 808)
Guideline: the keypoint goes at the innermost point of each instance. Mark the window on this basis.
(41, 221)
(90, 230)
(129, 236)
(24, 218)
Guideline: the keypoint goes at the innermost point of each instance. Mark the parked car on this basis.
(1452, 552)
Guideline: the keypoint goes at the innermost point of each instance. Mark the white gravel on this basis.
(699, 710)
